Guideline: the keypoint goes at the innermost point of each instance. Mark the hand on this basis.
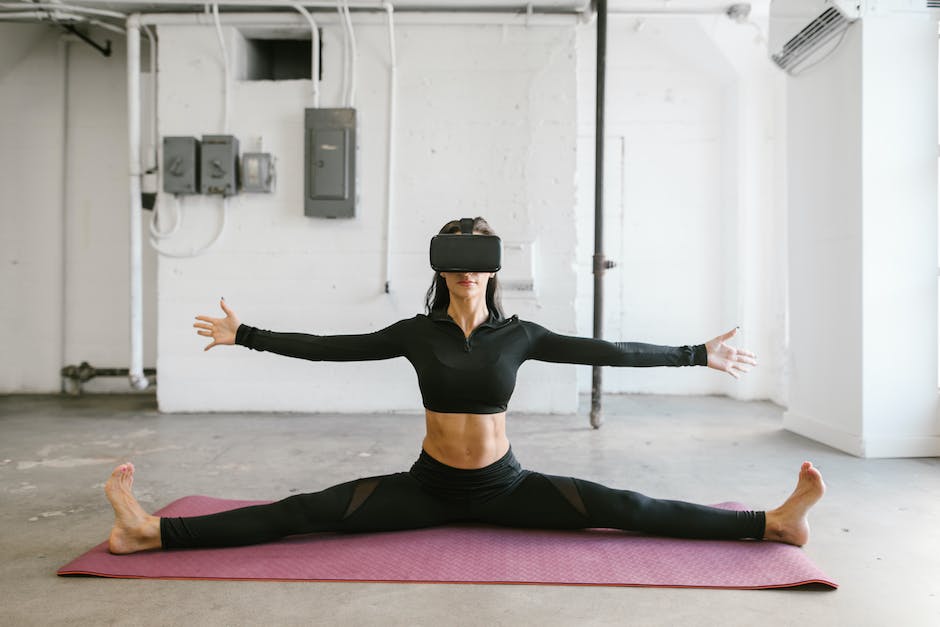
(728, 358)
(221, 330)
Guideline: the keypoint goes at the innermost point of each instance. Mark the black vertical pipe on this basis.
(600, 263)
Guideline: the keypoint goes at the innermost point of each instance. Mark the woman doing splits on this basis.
(466, 354)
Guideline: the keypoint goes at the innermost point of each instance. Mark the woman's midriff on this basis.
(466, 440)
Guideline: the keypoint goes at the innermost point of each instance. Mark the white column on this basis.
(862, 188)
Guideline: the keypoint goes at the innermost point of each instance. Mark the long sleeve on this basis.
(547, 346)
(384, 344)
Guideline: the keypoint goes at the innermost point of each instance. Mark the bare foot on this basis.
(134, 529)
(788, 523)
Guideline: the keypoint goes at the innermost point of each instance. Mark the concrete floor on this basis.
(876, 532)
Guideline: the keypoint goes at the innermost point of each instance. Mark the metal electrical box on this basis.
(330, 154)
(257, 172)
(180, 165)
(219, 165)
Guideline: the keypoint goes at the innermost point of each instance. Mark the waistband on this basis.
(476, 484)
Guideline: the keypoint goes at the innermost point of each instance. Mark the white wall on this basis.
(18, 41)
(63, 217)
(540, 121)
(863, 235)
(486, 126)
(692, 198)
(899, 236)
(825, 169)
(31, 124)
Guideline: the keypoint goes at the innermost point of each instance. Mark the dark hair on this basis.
(438, 297)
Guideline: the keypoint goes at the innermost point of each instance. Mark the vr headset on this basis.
(466, 252)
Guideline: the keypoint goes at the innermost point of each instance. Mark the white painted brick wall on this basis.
(486, 126)
(491, 120)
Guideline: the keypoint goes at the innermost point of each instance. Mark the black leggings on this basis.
(432, 493)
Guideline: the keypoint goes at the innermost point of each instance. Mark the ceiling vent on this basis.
(801, 28)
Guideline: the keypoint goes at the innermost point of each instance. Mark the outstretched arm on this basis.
(716, 353)
(727, 358)
(221, 330)
(547, 346)
(384, 344)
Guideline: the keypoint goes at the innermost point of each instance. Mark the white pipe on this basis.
(106, 26)
(40, 15)
(153, 152)
(373, 5)
(314, 51)
(345, 84)
(353, 53)
(225, 71)
(43, 16)
(136, 375)
(288, 19)
(587, 13)
(378, 6)
(662, 13)
(407, 18)
(63, 223)
(59, 7)
(390, 161)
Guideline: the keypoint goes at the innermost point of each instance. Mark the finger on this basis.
(203, 325)
(747, 360)
(228, 312)
(204, 333)
(741, 351)
(730, 334)
(209, 346)
(208, 319)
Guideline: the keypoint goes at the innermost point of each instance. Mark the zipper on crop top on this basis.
(467, 347)
(466, 338)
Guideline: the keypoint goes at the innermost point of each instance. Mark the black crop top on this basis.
(473, 375)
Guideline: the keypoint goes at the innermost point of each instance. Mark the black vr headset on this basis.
(466, 252)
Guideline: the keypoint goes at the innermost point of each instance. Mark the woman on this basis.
(466, 355)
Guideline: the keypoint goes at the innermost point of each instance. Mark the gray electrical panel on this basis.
(180, 165)
(330, 154)
(219, 165)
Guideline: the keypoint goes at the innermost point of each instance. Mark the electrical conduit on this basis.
(390, 161)
(136, 375)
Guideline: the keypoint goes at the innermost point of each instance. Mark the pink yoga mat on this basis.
(469, 554)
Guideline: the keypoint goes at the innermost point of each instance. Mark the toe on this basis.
(127, 474)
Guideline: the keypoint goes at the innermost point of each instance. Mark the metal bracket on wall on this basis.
(76, 376)
(105, 49)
